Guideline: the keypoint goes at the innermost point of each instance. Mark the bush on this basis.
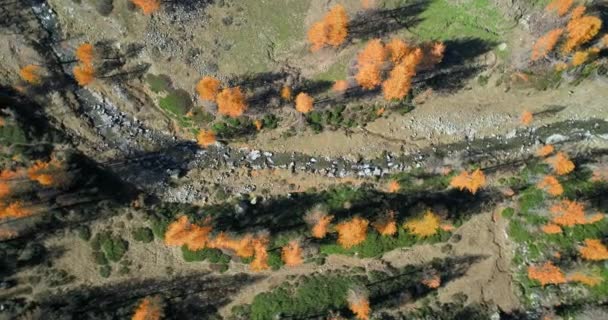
(143, 234)
(104, 7)
(114, 247)
(159, 227)
(84, 233)
(159, 83)
(105, 271)
(177, 102)
(212, 255)
(274, 260)
(508, 213)
(230, 128)
(100, 258)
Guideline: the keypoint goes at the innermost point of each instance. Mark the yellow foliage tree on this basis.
(546, 273)
(594, 249)
(352, 232)
(231, 102)
(423, 227)
(304, 103)
(580, 57)
(150, 308)
(578, 12)
(551, 185)
(30, 73)
(291, 254)
(206, 138)
(208, 88)
(561, 7)
(472, 182)
(545, 44)
(581, 31)
(147, 6)
(561, 164)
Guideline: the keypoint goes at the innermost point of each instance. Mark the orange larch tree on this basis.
(84, 74)
(568, 213)
(397, 50)
(561, 164)
(580, 31)
(546, 273)
(242, 247)
(358, 303)
(85, 53)
(206, 138)
(319, 222)
(393, 186)
(15, 210)
(231, 102)
(561, 7)
(545, 151)
(147, 6)
(304, 103)
(30, 74)
(374, 53)
(352, 232)
(369, 76)
(286, 93)
(399, 82)
(526, 118)
(551, 185)
(578, 12)
(44, 172)
(579, 277)
(208, 88)
(291, 254)
(425, 226)
(594, 249)
(471, 182)
(551, 228)
(545, 44)
(340, 86)
(317, 36)
(260, 259)
(150, 308)
(332, 30)
(386, 224)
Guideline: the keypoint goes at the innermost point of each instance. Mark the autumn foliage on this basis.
(570, 213)
(84, 74)
(581, 30)
(393, 186)
(358, 303)
(579, 277)
(469, 181)
(147, 6)
(352, 232)
(386, 224)
(545, 151)
(241, 246)
(340, 86)
(561, 164)
(208, 88)
(181, 232)
(594, 249)
(332, 30)
(551, 185)
(206, 138)
(44, 173)
(432, 282)
(85, 53)
(370, 61)
(231, 102)
(286, 93)
(304, 103)
(526, 118)
(30, 73)
(545, 44)
(150, 308)
(551, 228)
(425, 226)
(319, 221)
(546, 273)
(561, 7)
(292, 254)
(14, 210)
(260, 259)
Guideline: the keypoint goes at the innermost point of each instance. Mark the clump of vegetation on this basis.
(113, 247)
(178, 102)
(143, 234)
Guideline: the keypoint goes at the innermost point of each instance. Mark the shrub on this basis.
(84, 233)
(114, 247)
(105, 271)
(159, 83)
(177, 102)
(211, 255)
(100, 258)
(159, 227)
(143, 234)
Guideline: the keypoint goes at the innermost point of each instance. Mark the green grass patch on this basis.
(177, 102)
(159, 83)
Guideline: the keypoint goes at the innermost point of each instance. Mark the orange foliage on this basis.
(551, 228)
(340, 86)
(84, 53)
(205, 138)
(595, 218)
(447, 227)
(44, 172)
(15, 210)
(7, 234)
(545, 44)
(386, 224)
(423, 227)
(231, 102)
(319, 230)
(397, 50)
(259, 124)
(242, 247)
(578, 12)
(399, 82)
(551, 185)
(472, 182)
(260, 260)
(374, 53)
(147, 6)
(393, 186)
(84, 74)
(580, 57)
(433, 54)
(352, 232)
(286, 93)
(594, 249)
(292, 254)
(591, 281)
(432, 282)
(181, 232)
(526, 118)
(580, 31)
(208, 88)
(5, 189)
(545, 150)
(546, 274)
(304, 103)
(149, 308)
(569, 213)
(560, 6)
(30, 73)
(358, 303)
(369, 76)
(561, 164)
(332, 30)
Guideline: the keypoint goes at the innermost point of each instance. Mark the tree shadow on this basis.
(375, 23)
(185, 296)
